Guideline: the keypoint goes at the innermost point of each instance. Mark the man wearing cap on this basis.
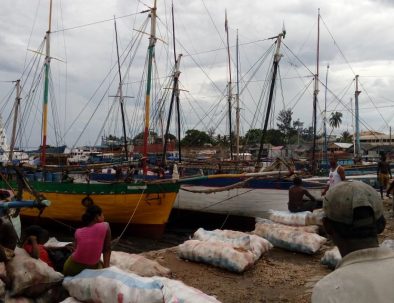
(353, 218)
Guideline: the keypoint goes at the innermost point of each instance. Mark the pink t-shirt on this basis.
(90, 242)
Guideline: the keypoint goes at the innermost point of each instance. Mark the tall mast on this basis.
(46, 88)
(16, 110)
(229, 88)
(151, 51)
(174, 92)
(271, 94)
(315, 93)
(237, 110)
(120, 94)
(357, 118)
(325, 117)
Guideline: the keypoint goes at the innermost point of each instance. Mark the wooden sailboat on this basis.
(146, 205)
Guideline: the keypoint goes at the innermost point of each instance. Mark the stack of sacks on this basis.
(253, 243)
(331, 258)
(263, 222)
(138, 264)
(289, 238)
(114, 285)
(237, 252)
(31, 278)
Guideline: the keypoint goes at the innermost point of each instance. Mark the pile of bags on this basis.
(289, 231)
(33, 281)
(232, 250)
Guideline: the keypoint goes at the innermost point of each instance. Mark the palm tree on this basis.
(346, 137)
(335, 121)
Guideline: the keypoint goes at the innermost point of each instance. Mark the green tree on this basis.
(140, 136)
(252, 136)
(335, 120)
(275, 137)
(284, 124)
(346, 137)
(195, 137)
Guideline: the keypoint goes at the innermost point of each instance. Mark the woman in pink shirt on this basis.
(90, 242)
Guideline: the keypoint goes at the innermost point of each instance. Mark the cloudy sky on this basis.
(356, 38)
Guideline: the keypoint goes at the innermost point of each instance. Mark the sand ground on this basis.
(279, 276)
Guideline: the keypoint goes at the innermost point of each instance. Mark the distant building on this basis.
(375, 138)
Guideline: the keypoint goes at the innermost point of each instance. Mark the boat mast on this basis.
(177, 89)
(120, 94)
(16, 110)
(271, 94)
(325, 117)
(229, 87)
(357, 118)
(151, 50)
(46, 89)
(315, 93)
(237, 110)
(174, 92)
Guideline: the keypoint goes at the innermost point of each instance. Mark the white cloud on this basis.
(361, 29)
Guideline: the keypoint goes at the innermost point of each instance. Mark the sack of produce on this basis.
(263, 222)
(218, 254)
(331, 257)
(315, 218)
(113, 285)
(138, 264)
(253, 243)
(290, 239)
(176, 291)
(29, 276)
(288, 218)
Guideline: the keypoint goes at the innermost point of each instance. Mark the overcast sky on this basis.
(356, 38)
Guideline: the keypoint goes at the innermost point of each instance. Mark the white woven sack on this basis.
(138, 264)
(113, 285)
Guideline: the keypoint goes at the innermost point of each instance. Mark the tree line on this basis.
(287, 132)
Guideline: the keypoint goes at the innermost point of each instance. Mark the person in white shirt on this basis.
(336, 175)
(353, 219)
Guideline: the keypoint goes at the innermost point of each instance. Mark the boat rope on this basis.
(117, 239)
(225, 221)
(224, 200)
(216, 190)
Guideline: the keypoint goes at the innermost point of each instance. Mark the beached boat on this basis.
(144, 204)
